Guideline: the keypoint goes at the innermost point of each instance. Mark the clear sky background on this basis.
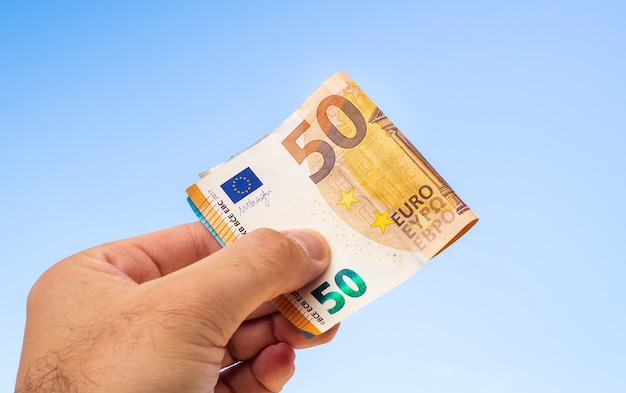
(109, 110)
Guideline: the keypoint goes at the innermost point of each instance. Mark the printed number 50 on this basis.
(323, 147)
(357, 289)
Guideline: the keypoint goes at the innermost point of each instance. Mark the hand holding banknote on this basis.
(340, 166)
(167, 311)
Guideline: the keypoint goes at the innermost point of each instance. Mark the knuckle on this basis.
(44, 289)
(273, 244)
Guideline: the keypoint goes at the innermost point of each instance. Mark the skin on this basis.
(168, 311)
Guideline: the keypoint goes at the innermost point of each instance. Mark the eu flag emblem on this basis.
(240, 185)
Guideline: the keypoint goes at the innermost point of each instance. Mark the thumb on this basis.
(231, 283)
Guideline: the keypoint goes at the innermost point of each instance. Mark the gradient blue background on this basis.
(108, 112)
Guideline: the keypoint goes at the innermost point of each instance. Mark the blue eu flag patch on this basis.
(240, 185)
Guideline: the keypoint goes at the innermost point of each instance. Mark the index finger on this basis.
(157, 254)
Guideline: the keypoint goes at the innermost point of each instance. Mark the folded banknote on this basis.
(337, 165)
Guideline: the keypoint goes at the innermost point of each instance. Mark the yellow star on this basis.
(353, 89)
(347, 198)
(382, 220)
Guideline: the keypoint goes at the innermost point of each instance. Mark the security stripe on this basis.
(218, 225)
(284, 305)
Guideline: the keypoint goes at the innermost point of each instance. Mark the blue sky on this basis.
(108, 112)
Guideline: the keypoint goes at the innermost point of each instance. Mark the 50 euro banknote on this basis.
(337, 165)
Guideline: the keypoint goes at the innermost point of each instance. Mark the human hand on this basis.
(166, 311)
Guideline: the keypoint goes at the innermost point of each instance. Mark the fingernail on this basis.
(311, 241)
